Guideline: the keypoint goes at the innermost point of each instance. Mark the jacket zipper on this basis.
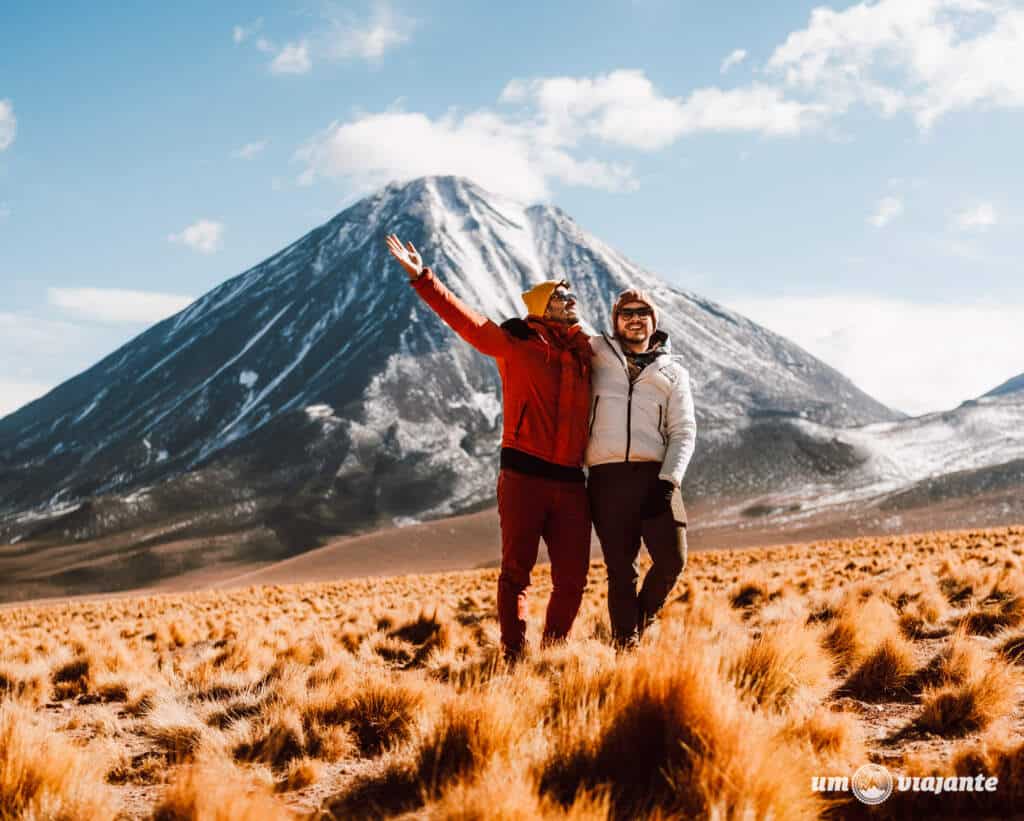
(629, 417)
(629, 400)
(593, 415)
(519, 424)
(660, 431)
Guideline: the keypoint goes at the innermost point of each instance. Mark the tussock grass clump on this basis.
(143, 768)
(398, 652)
(71, 679)
(420, 630)
(835, 738)
(380, 712)
(299, 774)
(240, 710)
(143, 704)
(213, 792)
(43, 776)
(1012, 648)
(884, 674)
(957, 583)
(283, 734)
(677, 739)
(506, 793)
(957, 709)
(278, 743)
(858, 629)
(749, 593)
(177, 732)
(770, 669)
(24, 683)
(989, 620)
(471, 729)
(960, 659)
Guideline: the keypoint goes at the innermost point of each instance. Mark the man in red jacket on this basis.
(545, 382)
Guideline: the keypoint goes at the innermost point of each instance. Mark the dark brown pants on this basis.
(531, 507)
(620, 496)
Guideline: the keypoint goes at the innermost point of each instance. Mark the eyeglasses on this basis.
(629, 313)
(563, 296)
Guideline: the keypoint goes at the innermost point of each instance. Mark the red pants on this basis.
(531, 507)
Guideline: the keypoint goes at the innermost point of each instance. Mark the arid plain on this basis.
(385, 697)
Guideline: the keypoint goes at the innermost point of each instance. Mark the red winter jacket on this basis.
(545, 380)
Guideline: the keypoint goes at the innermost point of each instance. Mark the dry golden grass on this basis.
(208, 792)
(985, 696)
(884, 674)
(378, 697)
(773, 667)
(43, 776)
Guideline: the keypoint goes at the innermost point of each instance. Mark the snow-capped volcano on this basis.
(315, 393)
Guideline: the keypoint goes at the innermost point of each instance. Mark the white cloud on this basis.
(249, 150)
(8, 124)
(37, 354)
(520, 151)
(115, 305)
(23, 335)
(292, 59)
(348, 37)
(886, 211)
(498, 154)
(928, 57)
(734, 59)
(341, 36)
(914, 357)
(14, 395)
(979, 217)
(242, 33)
(205, 236)
(623, 107)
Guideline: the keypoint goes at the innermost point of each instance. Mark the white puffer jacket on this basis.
(651, 420)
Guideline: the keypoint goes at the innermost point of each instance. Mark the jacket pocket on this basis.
(519, 422)
(661, 425)
(593, 415)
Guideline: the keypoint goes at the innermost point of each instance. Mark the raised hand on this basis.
(407, 255)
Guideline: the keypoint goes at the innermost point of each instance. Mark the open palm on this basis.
(407, 255)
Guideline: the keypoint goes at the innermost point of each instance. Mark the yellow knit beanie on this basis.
(537, 297)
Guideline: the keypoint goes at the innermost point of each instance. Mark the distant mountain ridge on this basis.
(1014, 385)
(315, 394)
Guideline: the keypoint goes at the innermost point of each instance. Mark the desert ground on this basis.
(387, 697)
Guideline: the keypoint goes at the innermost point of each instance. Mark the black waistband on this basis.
(512, 459)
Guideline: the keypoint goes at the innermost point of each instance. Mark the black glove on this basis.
(519, 328)
(659, 500)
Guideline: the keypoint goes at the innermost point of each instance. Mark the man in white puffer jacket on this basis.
(642, 435)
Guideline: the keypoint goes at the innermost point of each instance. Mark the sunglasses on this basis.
(563, 296)
(629, 313)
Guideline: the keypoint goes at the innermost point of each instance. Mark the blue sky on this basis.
(848, 175)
